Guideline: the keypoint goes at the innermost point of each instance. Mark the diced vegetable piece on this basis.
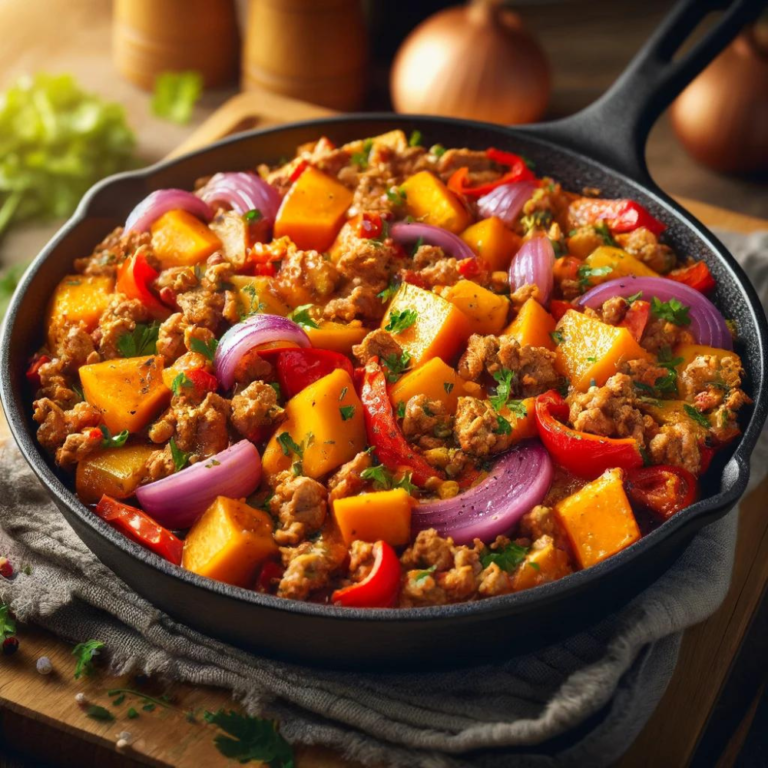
(620, 263)
(439, 329)
(115, 472)
(673, 412)
(326, 421)
(78, 299)
(688, 352)
(313, 210)
(129, 392)
(485, 310)
(583, 242)
(493, 242)
(434, 379)
(431, 202)
(229, 542)
(593, 351)
(179, 239)
(598, 519)
(523, 425)
(533, 326)
(337, 337)
(544, 563)
(379, 516)
(256, 294)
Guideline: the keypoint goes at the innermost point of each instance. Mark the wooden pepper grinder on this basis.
(154, 36)
(313, 50)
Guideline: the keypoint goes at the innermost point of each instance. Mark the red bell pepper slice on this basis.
(370, 226)
(557, 308)
(301, 166)
(141, 528)
(133, 279)
(379, 588)
(661, 490)
(697, 276)
(636, 318)
(518, 171)
(33, 372)
(298, 368)
(202, 381)
(270, 572)
(392, 449)
(469, 269)
(618, 215)
(581, 453)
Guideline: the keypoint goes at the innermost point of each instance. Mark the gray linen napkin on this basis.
(577, 703)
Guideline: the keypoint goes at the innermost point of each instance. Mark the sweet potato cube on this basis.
(229, 542)
(326, 421)
(544, 563)
(440, 328)
(523, 425)
(533, 326)
(338, 337)
(434, 379)
(313, 211)
(378, 516)
(689, 352)
(115, 472)
(179, 239)
(591, 350)
(431, 202)
(485, 310)
(129, 392)
(673, 412)
(598, 519)
(78, 299)
(256, 294)
(493, 242)
(620, 263)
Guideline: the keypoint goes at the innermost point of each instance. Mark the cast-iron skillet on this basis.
(599, 147)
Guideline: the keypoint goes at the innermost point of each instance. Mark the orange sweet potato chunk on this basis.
(179, 239)
(428, 200)
(485, 310)
(493, 242)
(544, 563)
(115, 472)
(434, 379)
(533, 326)
(378, 516)
(77, 299)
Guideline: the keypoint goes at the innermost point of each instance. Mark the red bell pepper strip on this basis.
(518, 171)
(636, 318)
(379, 588)
(370, 226)
(301, 166)
(202, 381)
(392, 449)
(298, 368)
(33, 372)
(270, 573)
(141, 528)
(581, 453)
(661, 490)
(133, 279)
(557, 308)
(696, 276)
(618, 215)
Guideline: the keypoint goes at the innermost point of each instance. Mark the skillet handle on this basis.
(614, 129)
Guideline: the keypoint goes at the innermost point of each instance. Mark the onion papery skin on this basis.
(252, 332)
(408, 234)
(152, 207)
(244, 192)
(176, 502)
(708, 325)
(506, 201)
(518, 482)
(534, 264)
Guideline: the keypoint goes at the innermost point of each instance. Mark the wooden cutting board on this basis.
(39, 714)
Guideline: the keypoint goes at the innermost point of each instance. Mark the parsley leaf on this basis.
(85, 653)
(180, 381)
(7, 623)
(672, 311)
(423, 575)
(517, 408)
(508, 558)
(448, 387)
(360, 159)
(387, 294)
(557, 337)
(180, 459)
(108, 441)
(276, 386)
(383, 480)
(396, 195)
(602, 230)
(503, 426)
(250, 738)
(586, 272)
(396, 365)
(401, 410)
(697, 416)
(289, 445)
(347, 412)
(438, 150)
(536, 220)
(96, 712)
(301, 316)
(504, 378)
(634, 297)
(414, 140)
(401, 320)
(206, 348)
(176, 94)
(253, 215)
(141, 341)
(255, 305)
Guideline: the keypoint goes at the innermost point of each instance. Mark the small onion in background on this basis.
(475, 61)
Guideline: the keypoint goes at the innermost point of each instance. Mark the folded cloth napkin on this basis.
(577, 703)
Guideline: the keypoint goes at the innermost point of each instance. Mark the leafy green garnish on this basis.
(383, 480)
(536, 220)
(414, 140)
(289, 445)
(504, 379)
(697, 416)
(255, 305)
(396, 195)
(7, 623)
(634, 297)
(110, 441)
(176, 94)
(396, 365)
(503, 427)
(438, 150)
(253, 216)
(586, 272)
(301, 316)
(360, 159)
(557, 337)
(276, 386)
(448, 387)
(672, 311)
(559, 249)
(517, 407)
(250, 738)
(508, 558)
(132, 713)
(401, 410)
(205, 348)
(85, 653)
(387, 294)
(96, 712)
(180, 381)
(423, 575)
(139, 342)
(180, 459)
(347, 412)
(401, 320)
(605, 233)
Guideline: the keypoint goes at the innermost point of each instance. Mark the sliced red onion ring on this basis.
(506, 201)
(243, 337)
(453, 245)
(708, 326)
(518, 482)
(534, 264)
(244, 192)
(152, 207)
(177, 501)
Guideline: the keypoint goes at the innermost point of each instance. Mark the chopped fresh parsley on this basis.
(205, 348)
(664, 385)
(508, 558)
(401, 320)
(438, 150)
(139, 342)
(672, 311)
(559, 249)
(179, 382)
(360, 159)
(557, 337)
(503, 427)
(289, 445)
(387, 294)
(250, 738)
(301, 316)
(535, 566)
(634, 297)
(591, 359)
(536, 220)
(383, 480)
(78, 390)
(85, 653)
(110, 441)
(417, 245)
(253, 215)
(666, 360)
(176, 94)
(448, 387)
(396, 365)
(401, 410)
(697, 416)
(504, 380)
(422, 576)
(586, 272)
(180, 459)
(347, 412)
(645, 456)
(414, 140)
(517, 407)
(276, 386)
(528, 162)
(343, 393)
(255, 305)
(602, 229)
(396, 195)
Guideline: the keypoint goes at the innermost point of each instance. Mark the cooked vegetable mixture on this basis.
(384, 375)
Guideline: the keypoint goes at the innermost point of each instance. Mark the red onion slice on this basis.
(408, 234)
(506, 201)
(534, 264)
(518, 482)
(244, 192)
(152, 207)
(177, 501)
(708, 326)
(243, 337)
